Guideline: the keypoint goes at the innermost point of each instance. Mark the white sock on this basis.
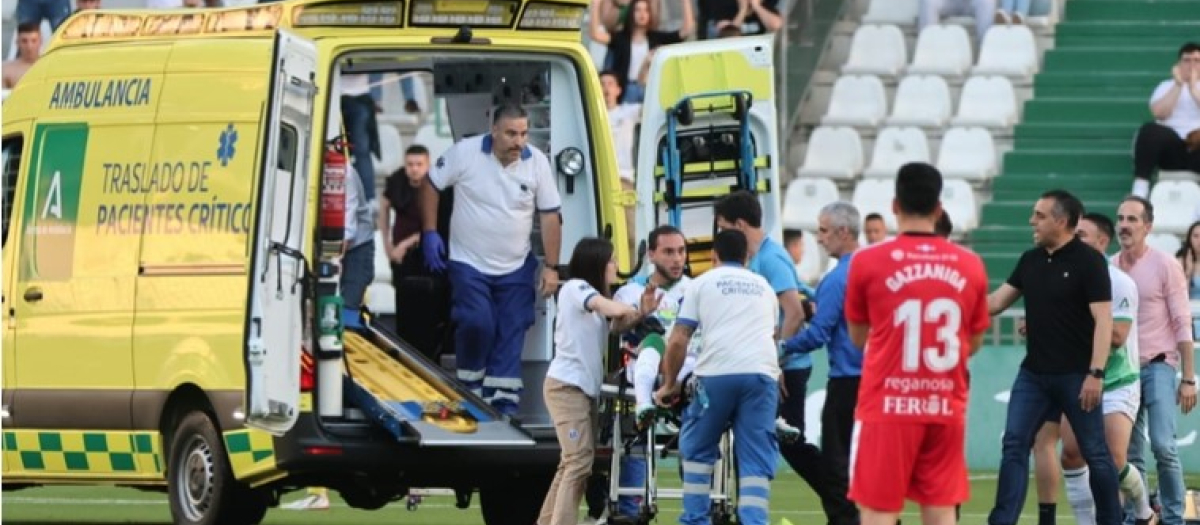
(1134, 489)
(1079, 495)
(645, 376)
(1141, 187)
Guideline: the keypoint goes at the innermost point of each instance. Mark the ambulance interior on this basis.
(456, 93)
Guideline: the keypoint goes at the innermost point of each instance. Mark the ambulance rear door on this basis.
(274, 325)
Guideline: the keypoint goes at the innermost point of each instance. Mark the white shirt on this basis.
(624, 119)
(1125, 307)
(580, 339)
(354, 84)
(637, 55)
(493, 204)
(737, 309)
(1186, 116)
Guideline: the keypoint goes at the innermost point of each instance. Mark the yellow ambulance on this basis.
(162, 176)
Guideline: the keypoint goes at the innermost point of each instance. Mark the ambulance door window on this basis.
(12, 163)
(288, 148)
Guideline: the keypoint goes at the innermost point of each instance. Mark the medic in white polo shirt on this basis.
(499, 183)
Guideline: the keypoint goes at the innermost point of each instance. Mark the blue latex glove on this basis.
(434, 251)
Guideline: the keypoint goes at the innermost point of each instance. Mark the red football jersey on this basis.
(923, 298)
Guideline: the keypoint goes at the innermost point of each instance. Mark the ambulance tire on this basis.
(503, 502)
(200, 482)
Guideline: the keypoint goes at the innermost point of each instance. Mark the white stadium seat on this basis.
(391, 148)
(1166, 242)
(877, 50)
(804, 200)
(987, 101)
(833, 152)
(1010, 51)
(942, 49)
(810, 267)
(900, 12)
(895, 147)
(967, 153)
(958, 200)
(921, 101)
(856, 101)
(875, 196)
(1175, 204)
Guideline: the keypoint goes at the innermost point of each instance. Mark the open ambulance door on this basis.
(708, 128)
(275, 322)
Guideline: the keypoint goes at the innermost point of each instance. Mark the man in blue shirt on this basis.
(837, 232)
(742, 211)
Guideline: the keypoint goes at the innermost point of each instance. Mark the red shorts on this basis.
(923, 462)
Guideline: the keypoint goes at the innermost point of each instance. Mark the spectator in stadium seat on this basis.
(728, 18)
(34, 11)
(932, 12)
(793, 242)
(622, 120)
(1189, 257)
(1172, 141)
(1013, 11)
(29, 48)
(875, 229)
(630, 47)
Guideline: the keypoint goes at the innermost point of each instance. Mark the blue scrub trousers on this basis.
(748, 402)
(491, 314)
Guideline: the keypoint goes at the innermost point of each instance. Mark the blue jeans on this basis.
(54, 11)
(491, 314)
(358, 270)
(1033, 397)
(748, 402)
(1158, 411)
(358, 113)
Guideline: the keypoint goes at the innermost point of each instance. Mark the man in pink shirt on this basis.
(1164, 346)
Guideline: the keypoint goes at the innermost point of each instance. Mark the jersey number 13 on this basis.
(945, 316)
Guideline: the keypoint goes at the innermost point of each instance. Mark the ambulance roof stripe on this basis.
(131, 25)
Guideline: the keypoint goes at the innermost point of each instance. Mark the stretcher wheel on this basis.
(741, 106)
(685, 113)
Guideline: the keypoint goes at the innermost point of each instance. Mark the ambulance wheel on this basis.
(200, 482)
(508, 501)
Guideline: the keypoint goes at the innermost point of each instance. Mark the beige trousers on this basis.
(573, 413)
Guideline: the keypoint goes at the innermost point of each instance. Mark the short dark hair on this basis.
(589, 261)
(944, 227)
(791, 235)
(1102, 222)
(872, 217)
(731, 246)
(30, 27)
(1190, 47)
(665, 229)
(1066, 206)
(508, 111)
(1147, 206)
(918, 189)
(742, 205)
(729, 31)
(608, 73)
(416, 149)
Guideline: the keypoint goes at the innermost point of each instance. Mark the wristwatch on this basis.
(1097, 373)
(1188, 381)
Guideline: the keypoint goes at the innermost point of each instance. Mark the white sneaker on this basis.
(785, 432)
(310, 502)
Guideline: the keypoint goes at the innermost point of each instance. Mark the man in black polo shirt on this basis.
(1068, 312)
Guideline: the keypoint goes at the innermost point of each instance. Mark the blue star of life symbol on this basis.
(226, 151)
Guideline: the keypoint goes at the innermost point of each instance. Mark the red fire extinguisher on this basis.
(333, 192)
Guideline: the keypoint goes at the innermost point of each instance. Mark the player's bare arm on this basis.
(677, 344)
(1120, 332)
(1002, 298)
(1089, 397)
(974, 344)
(858, 334)
(793, 313)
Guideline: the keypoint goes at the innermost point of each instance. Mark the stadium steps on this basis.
(1077, 133)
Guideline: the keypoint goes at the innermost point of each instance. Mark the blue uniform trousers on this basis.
(491, 314)
(748, 403)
